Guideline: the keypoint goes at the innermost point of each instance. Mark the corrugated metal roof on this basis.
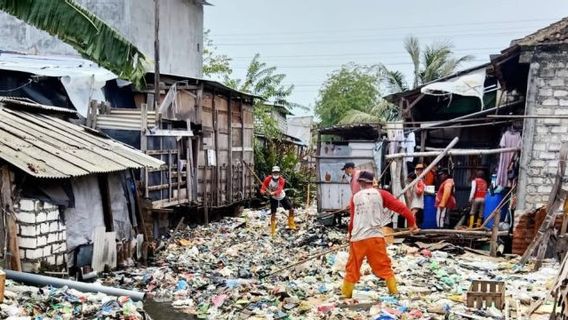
(46, 146)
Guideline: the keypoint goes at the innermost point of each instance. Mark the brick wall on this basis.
(41, 235)
(547, 94)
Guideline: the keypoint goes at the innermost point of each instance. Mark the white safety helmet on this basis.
(276, 169)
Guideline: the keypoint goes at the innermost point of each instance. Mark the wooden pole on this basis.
(13, 257)
(494, 235)
(514, 116)
(440, 156)
(156, 54)
(461, 152)
(423, 137)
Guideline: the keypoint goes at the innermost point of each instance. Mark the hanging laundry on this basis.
(510, 139)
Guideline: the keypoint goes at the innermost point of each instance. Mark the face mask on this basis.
(275, 176)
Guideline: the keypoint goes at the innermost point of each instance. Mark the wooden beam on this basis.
(144, 144)
(243, 182)
(205, 197)
(12, 256)
(461, 152)
(216, 132)
(230, 160)
(514, 116)
(430, 166)
(423, 137)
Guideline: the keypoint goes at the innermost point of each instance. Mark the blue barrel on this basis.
(491, 203)
(429, 221)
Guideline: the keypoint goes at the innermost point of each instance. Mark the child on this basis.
(416, 197)
(477, 199)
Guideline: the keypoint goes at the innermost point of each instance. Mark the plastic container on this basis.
(491, 202)
(429, 221)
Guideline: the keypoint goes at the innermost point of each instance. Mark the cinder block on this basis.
(537, 163)
(552, 122)
(562, 73)
(51, 260)
(557, 82)
(41, 217)
(52, 237)
(46, 251)
(44, 227)
(54, 226)
(27, 243)
(555, 146)
(33, 254)
(60, 260)
(27, 205)
(544, 189)
(27, 231)
(41, 241)
(53, 215)
(550, 102)
(49, 206)
(26, 217)
(548, 155)
(539, 146)
(546, 92)
(560, 93)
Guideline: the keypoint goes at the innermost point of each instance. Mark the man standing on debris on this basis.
(366, 236)
(273, 186)
(477, 198)
(349, 169)
(444, 197)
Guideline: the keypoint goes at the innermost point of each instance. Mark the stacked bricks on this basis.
(41, 235)
(527, 227)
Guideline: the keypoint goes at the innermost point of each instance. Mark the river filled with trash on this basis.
(230, 270)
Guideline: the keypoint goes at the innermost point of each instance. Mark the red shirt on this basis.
(445, 195)
(480, 188)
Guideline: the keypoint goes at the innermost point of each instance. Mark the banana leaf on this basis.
(89, 35)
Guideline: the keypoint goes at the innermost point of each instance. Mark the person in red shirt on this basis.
(273, 186)
(477, 198)
(366, 239)
(444, 197)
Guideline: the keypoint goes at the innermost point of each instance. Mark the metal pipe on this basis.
(38, 280)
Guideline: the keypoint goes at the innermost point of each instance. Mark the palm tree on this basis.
(89, 35)
(381, 112)
(432, 62)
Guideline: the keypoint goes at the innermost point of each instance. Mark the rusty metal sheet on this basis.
(46, 146)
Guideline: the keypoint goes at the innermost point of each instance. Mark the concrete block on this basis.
(542, 130)
(544, 189)
(554, 147)
(27, 205)
(541, 146)
(38, 206)
(537, 163)
(59, 260)
(33, 254)
(562, 73)
(46, 251)
(27, 243)
(51, 260)
(27, 231)
(552, 122)
(561, 111)
(560, 93)
(531, 189)
(550, 102)
(44, 227)
(563, 102)
(536, 181)
(52, 237)
(41, 217)
(53, 215)
(54, 226)
(30, 266)
(49, 206)
(41, 241)
(557, 82)
(559, 128)
(546, 72)
(544, 111)
(548, 155)
(26, 217)
(545, 92)
(59, 247)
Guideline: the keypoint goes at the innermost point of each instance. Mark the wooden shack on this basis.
(202, 131)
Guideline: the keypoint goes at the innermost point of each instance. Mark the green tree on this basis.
(85, 32)
(432, 62)
(348, 95)
(216, 66)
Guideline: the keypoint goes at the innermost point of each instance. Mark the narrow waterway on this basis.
(165, 311)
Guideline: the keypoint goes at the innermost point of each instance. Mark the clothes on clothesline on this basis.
(510, 139)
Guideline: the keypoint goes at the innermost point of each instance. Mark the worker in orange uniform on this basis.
(273, 186)
(365, 233)
(477, 198)
(430, 177)
(444, 197)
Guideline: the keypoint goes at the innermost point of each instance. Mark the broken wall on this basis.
(41, 234)
(547, 95)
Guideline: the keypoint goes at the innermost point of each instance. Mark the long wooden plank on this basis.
(8, 212)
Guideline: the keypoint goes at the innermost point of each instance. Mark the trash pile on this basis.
(224, 271)
(27, 303)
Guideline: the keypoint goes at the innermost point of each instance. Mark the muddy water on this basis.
(165, 311)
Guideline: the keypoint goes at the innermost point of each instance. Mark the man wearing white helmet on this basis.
(273, 186)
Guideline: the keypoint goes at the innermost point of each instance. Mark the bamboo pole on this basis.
(514, 116)
(460, 152)
(440, 156)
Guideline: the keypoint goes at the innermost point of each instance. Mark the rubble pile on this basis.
(218, 272)
(27, 303)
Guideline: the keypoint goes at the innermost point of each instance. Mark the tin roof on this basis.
(45, 146)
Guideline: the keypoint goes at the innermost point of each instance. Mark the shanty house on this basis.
(513, 107)
(68, 192)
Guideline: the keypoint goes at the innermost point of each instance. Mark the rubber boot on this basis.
(471, 219)
(347, 289)
(291, 222)
(479, 222)
(273, 225)
(391, 285)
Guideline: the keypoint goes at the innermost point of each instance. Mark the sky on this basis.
(308, 39)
